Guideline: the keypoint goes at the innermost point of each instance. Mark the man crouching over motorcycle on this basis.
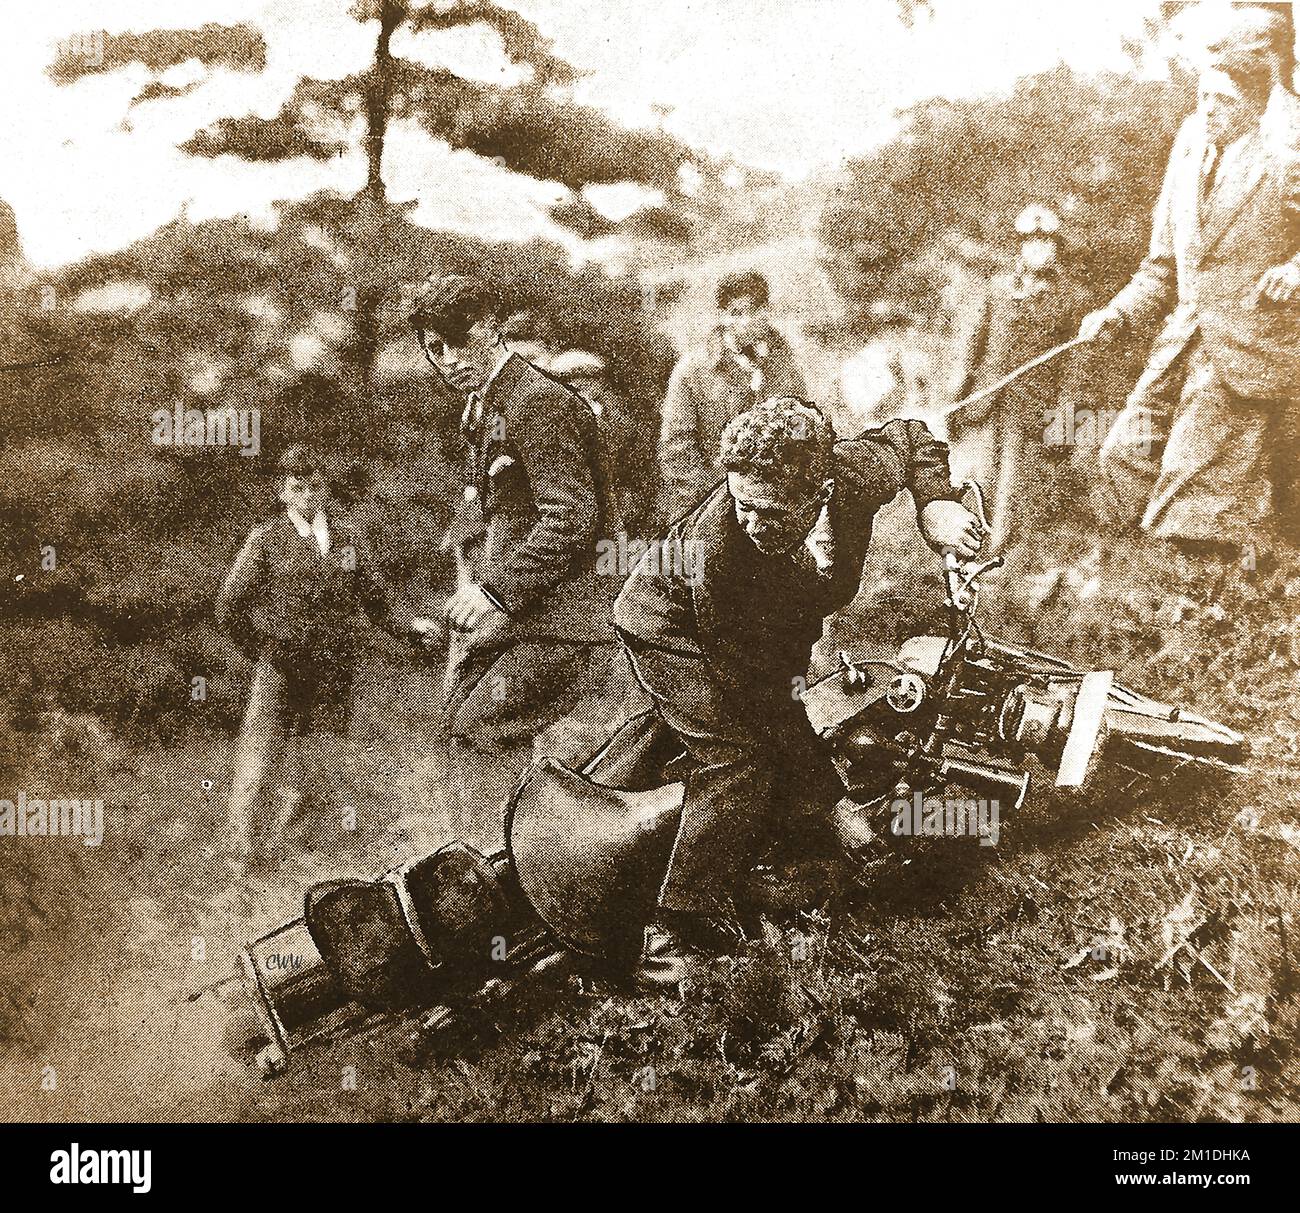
(722, 623)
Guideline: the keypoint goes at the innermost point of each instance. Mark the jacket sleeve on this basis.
(877, 467)
(656, 606)
(241, 585)
(909, 457)
(680, 458)
(1152, 292)
(557, 455)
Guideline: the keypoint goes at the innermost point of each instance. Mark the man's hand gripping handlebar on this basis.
(963, 576)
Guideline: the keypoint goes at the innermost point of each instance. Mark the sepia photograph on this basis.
(727, 561)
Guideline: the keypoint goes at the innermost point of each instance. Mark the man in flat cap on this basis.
(1001, 439)
(1199, 455)
(528, 610)
(744, 360)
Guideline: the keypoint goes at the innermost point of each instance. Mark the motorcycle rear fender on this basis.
(1086, 725)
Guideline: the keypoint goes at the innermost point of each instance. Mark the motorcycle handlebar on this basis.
(972, 487)
(963, 577)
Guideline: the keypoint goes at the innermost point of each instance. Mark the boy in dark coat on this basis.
(532, 610)
(291, 601)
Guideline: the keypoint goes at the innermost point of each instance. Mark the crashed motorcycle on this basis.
(457, 931)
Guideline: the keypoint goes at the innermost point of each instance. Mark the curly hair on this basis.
(782, 438)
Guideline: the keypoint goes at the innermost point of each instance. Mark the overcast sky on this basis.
(795, 85)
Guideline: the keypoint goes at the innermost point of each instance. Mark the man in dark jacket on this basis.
(291, 601)
(744, 360)
(529, 610)
(721, 625)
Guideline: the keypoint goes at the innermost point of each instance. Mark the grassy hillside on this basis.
(1042, 979)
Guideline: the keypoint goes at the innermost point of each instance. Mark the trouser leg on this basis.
(316, 710)
(259, 755)
(733, 801)
(502, 698)
(1214, 482)
(1130, 455)
(319, 798)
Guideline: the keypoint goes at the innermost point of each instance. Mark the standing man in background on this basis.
(744, 361)
(1000, 440)
(1210, 427)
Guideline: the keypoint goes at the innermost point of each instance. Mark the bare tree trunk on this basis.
(374, 201)
(391, 14)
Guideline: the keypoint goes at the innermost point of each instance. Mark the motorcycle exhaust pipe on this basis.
(1008, 787)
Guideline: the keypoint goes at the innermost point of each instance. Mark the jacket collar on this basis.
(721, 356)
(1266, 142)
(319, 530)
(505, 379)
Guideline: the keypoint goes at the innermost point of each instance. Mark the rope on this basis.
(1011, 376)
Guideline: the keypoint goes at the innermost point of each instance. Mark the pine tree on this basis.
(533, 127)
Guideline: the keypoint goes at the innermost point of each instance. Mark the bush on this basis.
(969, 166)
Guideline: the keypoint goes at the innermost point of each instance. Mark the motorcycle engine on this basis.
(869, 751)
(1036, 718)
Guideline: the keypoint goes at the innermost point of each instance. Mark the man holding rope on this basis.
(1211, 425)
